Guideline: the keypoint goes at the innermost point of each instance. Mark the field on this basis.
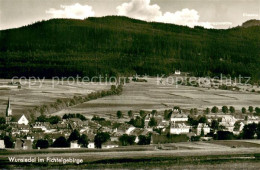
(182, 155)
(31, 95)
(150, 95)
(136, 96)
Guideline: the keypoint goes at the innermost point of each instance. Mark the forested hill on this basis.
(120, 45)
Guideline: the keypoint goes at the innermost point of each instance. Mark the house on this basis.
(109, 145)
(228, 126)
(23, 128)
(163, 124)
(241, 126)
(252, 119)
(204, 127)
(129, 130)
(2, 144)
(179, 117)
(74, 144)
(177, 72)
(91, 145)
(114, 138)
(23, 144)
(21, 120)
(44, 126)
(179, 128)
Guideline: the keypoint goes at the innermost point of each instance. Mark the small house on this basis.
(110, 145)
(23, 144)
(179, 128)
(91, 145)
(74, 144)
(2, 144)
(204, 127)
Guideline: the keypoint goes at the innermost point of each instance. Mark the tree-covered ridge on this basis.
(113, 45)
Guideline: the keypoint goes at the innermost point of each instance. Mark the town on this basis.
(142, 128)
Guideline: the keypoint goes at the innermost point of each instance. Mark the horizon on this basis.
(217, 14)
(45, 20)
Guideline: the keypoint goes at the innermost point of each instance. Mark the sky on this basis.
(207, 13)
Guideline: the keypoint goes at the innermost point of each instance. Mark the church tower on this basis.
(8, 112)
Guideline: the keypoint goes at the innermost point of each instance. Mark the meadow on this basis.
(149, 95)
(36, 94)
(184, 155)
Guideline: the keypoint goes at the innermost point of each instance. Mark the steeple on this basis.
(8, 109)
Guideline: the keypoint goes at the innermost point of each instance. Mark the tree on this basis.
(152, 122)
(83, 140)
(207, 110)
(119, 114)
(250, 109)
(202, 119)
(2, 120)
(224, 135)
(127, 140)
(42, 143)
(9, 143)
(75, 135)
(214, 109)
(249, 131)
(154, 112)
(130, 113)
(202, 132)
(142, 113)
(257, 110)
(214, 124)
(237, 126)
(167, 114)
(41, 118)
(225, 109)
(232, 109)
(144, 140)
(195, 110)
(243, 110)
(100, 138)
(60, 142)
(54, 119)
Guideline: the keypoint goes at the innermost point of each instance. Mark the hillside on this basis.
(251, 23)
(120, 45)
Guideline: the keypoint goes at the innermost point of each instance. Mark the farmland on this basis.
(34, 94)
(150, 95)
(136, 96)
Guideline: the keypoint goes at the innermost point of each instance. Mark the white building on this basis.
(91, 145)
(74, 144)
(179, 128)
(179, 117)
(2, 144)
(129, 130)
(205, 128)
(23, 120)
(177, 72)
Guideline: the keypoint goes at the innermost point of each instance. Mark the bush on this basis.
(60, 142)
(9, 143)
(43, 144)
(127, 139)
(100, 138)
(224, 135)
(144, 140)
(195, 138)
(83, 140)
